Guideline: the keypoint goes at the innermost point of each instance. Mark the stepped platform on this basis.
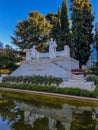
(57, 67)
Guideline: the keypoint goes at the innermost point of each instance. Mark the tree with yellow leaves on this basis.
(33, 31)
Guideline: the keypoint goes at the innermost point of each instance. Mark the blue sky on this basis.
(12, 11)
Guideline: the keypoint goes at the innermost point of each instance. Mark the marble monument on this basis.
(53, 63)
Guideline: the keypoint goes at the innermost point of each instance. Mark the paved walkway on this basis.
(51, 94)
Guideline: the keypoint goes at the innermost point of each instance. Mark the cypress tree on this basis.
(57, 30)
(96, 40)
(61, 29)
(65, 34)
(53, 19)
(82, 26)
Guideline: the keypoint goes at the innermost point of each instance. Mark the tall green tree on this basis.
(57, 30)
(33, 31)
(82, 25)
(54, 19)
(60, 29)
(96, 40)
(65, 33)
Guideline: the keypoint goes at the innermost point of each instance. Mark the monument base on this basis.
(78, 84)
(56, 67)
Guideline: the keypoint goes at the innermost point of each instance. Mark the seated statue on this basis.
(28, 54)
(52, 48)
(32, 53)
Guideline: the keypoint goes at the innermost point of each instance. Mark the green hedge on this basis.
(53, 89)
(42, 80)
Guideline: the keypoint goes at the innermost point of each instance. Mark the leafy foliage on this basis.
(33, 31)
(60, 29)
(82, 29)
(95, 71)
(83, 121)
(93, 78)
(54, 19)
(8, 58)
(52, 89)
(96, 39)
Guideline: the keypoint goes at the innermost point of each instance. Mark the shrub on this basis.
(93, 78)
(52, 89)
(95, 71)
(46, 80)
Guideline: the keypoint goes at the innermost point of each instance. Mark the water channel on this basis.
(36, 112)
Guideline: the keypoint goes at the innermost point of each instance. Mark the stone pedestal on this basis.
(84, 67)
(66, 51)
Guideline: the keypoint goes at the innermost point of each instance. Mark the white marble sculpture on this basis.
(32, 53)
(52, 48)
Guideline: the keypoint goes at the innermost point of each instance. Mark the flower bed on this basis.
(77, 71)
(81, 71)
(4, 71)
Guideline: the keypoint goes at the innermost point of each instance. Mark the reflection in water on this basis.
(32, 113)
(20, 115)
(4, 124)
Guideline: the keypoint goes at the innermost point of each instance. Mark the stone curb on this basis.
(51, 94)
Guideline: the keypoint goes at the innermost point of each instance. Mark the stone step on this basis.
(43, 69)
(78, 77)
(74, 84)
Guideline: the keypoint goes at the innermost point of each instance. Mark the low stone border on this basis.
(51, 94)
